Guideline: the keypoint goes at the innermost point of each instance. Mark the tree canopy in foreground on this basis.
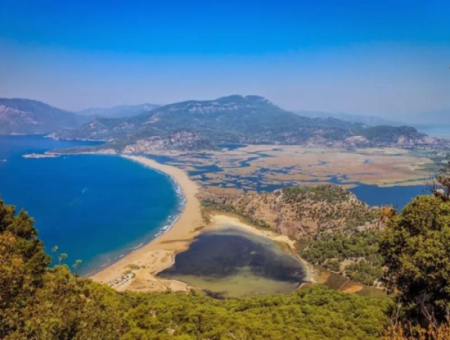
(416, 251)
(37, 302)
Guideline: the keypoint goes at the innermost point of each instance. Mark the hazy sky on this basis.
(387, 58)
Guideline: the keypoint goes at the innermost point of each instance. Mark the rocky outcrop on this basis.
(181, 141)
(303, 212)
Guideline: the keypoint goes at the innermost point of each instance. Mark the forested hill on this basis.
(37, 302)
(251, 119)
(248, 120)
(25, 116)
(335, 229)
(302, 213)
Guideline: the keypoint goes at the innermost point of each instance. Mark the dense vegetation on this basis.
(360, 251)
(327, 193)
(328, 207)
(340, 207)
(346, 239)
(416, 250)
(41, 303)
(37, 302)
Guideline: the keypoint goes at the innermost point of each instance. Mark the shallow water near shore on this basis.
(230, 262)
(99, 208)
(94, 208)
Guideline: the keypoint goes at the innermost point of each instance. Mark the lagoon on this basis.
(98, 208)
(230, 262)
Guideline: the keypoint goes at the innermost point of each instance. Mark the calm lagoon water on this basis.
(94, 208)
(229, 262)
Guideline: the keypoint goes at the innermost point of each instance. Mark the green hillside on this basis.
(41, 303)
(243, 119)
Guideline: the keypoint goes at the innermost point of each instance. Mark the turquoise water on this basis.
(94, 208)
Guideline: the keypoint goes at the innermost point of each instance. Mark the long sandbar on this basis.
(159, 254)
(146, 262)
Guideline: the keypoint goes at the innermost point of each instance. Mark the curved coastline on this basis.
(138, 270)
(147, 261)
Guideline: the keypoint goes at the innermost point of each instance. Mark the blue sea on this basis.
(396, 196)
(97, 208)
(94, 208)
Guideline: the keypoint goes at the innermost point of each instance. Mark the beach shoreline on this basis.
(146, 262)
(138, 270)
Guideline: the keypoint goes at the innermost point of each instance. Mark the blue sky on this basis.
(370, 57)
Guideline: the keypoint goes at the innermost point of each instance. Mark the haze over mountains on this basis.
(239, 119)
(25, 116)
(353, 118)
(438, 119)
(204, 124)
(435, 123)
(118, 111)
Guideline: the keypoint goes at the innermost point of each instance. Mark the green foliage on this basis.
(416, 249)
(77, 265)
(364, 272)
(341, 208)
(327, 193)
(22, 266)
(442, 180)
(70, 307)
(330, 250)
(314, 313)
(40, 303)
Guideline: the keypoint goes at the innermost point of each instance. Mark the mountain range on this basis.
(243, 120)
(250, 119)
(204, 124)
(25, 116)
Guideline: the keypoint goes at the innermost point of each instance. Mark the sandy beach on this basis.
(158, 255)
(138, 270)
(220, 220)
